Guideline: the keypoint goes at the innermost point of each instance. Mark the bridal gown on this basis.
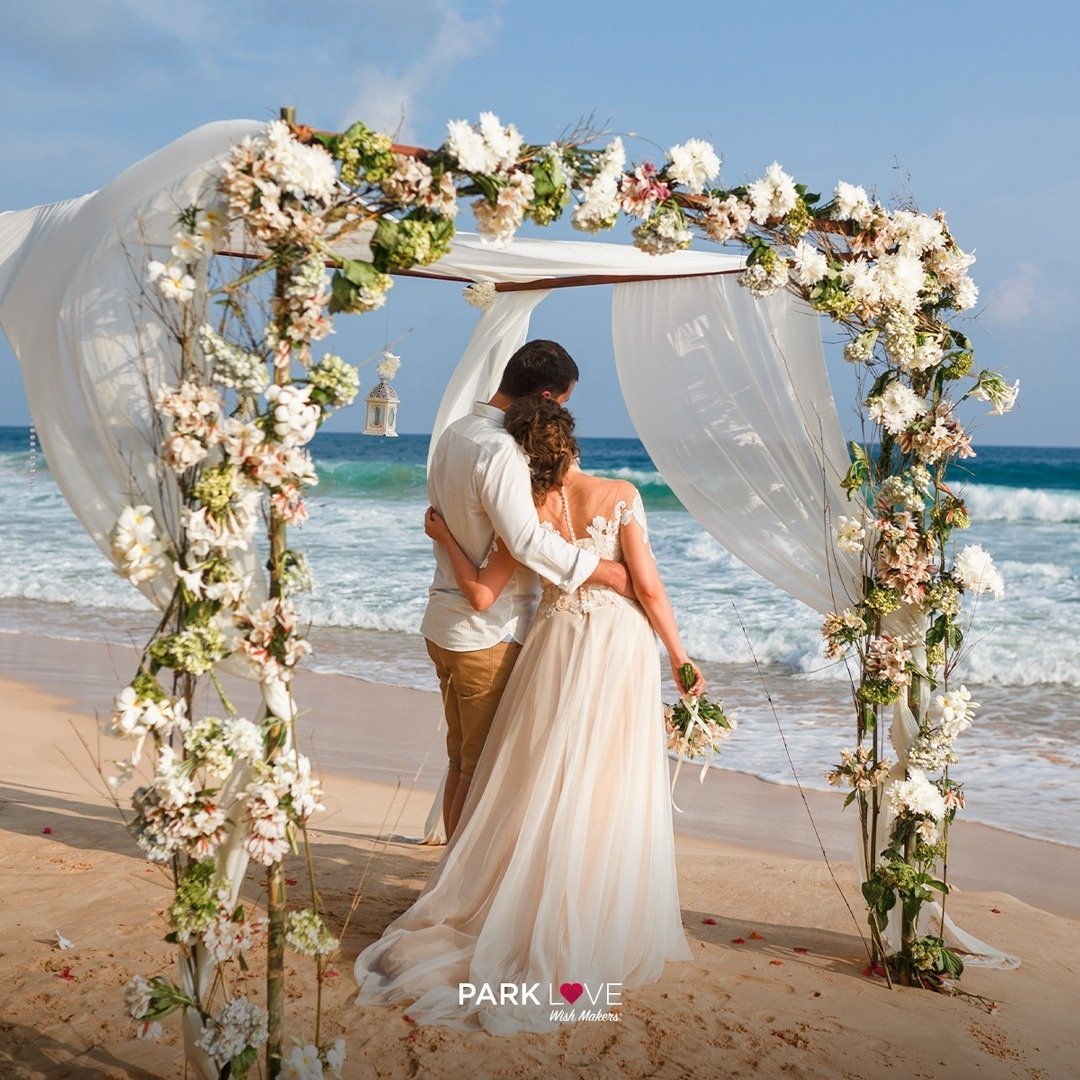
(562, 868)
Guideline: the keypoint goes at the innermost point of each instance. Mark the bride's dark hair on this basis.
(545, 431)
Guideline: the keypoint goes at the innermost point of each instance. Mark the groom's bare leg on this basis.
(453, 782)
(461, 794)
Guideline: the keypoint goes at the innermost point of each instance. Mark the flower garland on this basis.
(234, 428)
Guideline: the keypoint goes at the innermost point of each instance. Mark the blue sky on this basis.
(975, 103)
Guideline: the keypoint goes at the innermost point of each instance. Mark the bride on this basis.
(562, 868)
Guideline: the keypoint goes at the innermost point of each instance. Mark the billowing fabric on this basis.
(562, 868)
(730, 397)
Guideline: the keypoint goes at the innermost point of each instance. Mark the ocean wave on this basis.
(990, 502)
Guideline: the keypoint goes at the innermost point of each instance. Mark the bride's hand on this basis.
(699, 683)
(435, 525)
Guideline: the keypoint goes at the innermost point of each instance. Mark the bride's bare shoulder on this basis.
(607, 490)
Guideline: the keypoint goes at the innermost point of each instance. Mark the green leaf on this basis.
(951, 963)
(240, 1065)
(881, 383)
(687, 676)
(361, 273)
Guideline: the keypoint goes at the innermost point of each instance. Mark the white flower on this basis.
(925, 356)
(773, 196)
(480, 294)
(243, 737)
(493, 148)
(183, 452)
(993, 388)
(928, 831)
(725, 218)
(149, 1030)
(303, 171)
(809, 265)
(955, 711)
(296, 419)
(965, 294)
(600, 205)
(896, 407)
(916, 233)
(861, 348)
(900, 279)
(136, 549)
(852, 204)
(762, 282)
(974, 569)
(665, 231)
(335, 1057)
(503, 142)
(850, 535)
(693, 163)
(231, 365)
(226, 939)
(388, 366)
(861, 283)
(950, 264)
(468, 146)
(916, 797)
(173, 281)
(497, 224)
(190, 248)
(138, 995)
(308, 934)
(238, 1025)
(302, 1063)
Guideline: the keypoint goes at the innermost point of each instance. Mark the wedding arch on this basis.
(165, 328)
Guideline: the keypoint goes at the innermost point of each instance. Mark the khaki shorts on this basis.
(472, 684)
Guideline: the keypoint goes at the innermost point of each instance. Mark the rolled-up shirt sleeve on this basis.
(506, 493)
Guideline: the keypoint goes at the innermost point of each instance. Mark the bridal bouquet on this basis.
(696, 727)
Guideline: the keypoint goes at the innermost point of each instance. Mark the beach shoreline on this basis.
(760, 1007)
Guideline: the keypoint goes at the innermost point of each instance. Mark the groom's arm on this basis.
(506, 494)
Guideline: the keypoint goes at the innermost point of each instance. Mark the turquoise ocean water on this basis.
(372, 565)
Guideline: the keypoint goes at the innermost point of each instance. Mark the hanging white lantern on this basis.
(382, 402)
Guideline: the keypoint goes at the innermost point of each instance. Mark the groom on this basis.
(479, 482)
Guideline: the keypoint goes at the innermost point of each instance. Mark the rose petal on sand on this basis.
(738, 941)
(709, 921)
(995, 910)
(290, 881)
(47, 831)
(776, 963)
(800, 949)
(65, 974)
(755, 936)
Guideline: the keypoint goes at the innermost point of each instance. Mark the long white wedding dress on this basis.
(562, 869)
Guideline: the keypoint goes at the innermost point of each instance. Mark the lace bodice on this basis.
(603, 538)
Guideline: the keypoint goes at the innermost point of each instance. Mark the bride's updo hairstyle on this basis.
(545, 431)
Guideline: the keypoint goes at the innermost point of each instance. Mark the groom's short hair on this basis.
(538, 366)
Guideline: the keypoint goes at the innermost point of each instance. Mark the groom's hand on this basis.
(615, 576)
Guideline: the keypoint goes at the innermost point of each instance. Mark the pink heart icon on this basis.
(571, 991)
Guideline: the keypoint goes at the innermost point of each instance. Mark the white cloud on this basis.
(1020, 296)
(392, 101)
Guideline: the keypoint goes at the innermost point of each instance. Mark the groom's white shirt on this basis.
(479, 481)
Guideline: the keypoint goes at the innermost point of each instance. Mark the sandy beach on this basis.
(776, 987)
